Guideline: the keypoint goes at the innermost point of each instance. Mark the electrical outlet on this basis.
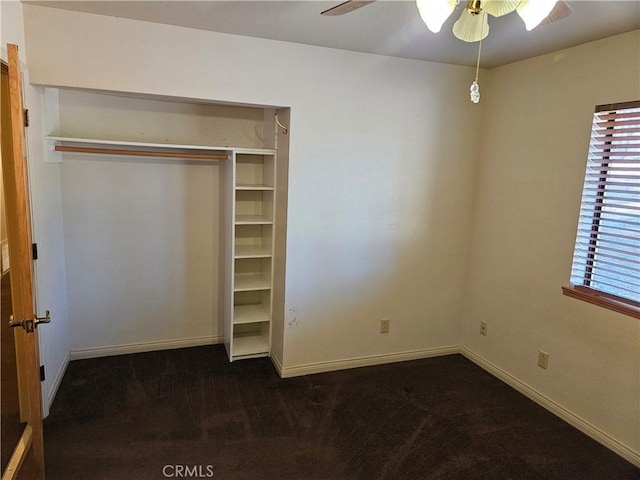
(384, 325)
(543, 359)
(483, 328)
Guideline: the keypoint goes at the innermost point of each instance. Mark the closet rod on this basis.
(141, 153)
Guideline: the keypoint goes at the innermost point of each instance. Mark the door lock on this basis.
(29, 325)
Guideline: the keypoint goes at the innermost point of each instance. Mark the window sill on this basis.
(590, 296)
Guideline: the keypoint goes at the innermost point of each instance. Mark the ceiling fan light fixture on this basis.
(471, 27)
(498, 8)
(534, 12)
(435, 12)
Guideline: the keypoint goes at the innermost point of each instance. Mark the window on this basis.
(606, 260)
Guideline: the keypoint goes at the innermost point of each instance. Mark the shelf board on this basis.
(254, 151)
(246, 282)
(245, 344)
(250, 251)
(253, 220)
(122, 143)
(51, 141)
(250, 313)
(252, 186)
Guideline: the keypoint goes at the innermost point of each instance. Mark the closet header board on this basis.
(145, 119)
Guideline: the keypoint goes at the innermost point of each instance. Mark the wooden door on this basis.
(27, 459)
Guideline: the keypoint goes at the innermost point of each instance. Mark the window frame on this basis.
(584, 291)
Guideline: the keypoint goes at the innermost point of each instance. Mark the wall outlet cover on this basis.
(543, 359)
(483, 328)
(384, 325)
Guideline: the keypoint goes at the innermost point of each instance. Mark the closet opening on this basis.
(155, 239)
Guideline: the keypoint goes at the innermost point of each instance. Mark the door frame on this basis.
(18, 213)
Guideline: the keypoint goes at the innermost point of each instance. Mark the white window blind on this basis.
(607, 251)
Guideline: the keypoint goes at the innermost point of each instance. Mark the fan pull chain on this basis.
(475, 88)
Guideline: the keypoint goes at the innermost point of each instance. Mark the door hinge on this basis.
(42, 373)
(26, 117)
(34, 251)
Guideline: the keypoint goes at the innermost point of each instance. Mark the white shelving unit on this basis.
(250, 243)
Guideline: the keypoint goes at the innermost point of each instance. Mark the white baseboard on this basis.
(56, 384)
(568, 416)
(367, 361)
(277, 363)
(96, 352)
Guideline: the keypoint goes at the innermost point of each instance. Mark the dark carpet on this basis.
(191, 414)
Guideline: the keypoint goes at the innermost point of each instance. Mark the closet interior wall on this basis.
(143, 237)
(281, 144)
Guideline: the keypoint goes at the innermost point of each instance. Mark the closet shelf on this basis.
(57, 145)
(253, 220)
(249, 186)
(250, 314)
(249, 344)
(250, 251)
(246, 282)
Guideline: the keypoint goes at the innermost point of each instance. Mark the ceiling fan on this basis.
(473, 24)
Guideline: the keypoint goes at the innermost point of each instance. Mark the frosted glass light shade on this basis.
(470, 27)
(435, 12)
(533, 12)
(498, 8)
(475, 92)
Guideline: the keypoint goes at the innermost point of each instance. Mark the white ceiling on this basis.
(389, 27)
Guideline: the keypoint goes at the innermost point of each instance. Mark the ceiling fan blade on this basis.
(560, 11)
(471, 27)
(346, 7)
(498, 8)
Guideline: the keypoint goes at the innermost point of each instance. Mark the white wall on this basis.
(534, 148)
(380, 179)
(46, 206)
